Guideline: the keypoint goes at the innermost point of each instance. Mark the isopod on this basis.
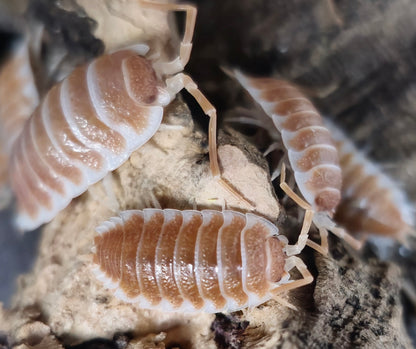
(372, 203)
(190, 260)
(18, 99)
(311, 151)
(89, 124)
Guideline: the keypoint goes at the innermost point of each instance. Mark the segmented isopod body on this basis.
(371, 202)
(311, 151)
(18, 94)
(18, 98)
(193, 260)
(85, 127)
(90, 123)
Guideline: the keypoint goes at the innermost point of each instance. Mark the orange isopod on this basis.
(90, 123)
(190, 260)
(310, 148)
(372, 203)
(311, 152)
(18, 99)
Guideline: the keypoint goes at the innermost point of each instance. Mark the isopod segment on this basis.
(191, 260)
(85, 127)
(311, 152)
(372, 203)
(18, 98)
(90, 123)
(18, 94)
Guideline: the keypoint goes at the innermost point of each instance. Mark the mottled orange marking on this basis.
(119, 107)
(350, 175)
(324, 176)
(38, 165)
(108, 248)
(268, 83)
(327, 200)
(164, 261)
(281, 93)
(254, 241)
(141, 79)
(64, 135)
(300, 120)
(231, 263)
(133, 229)
(277, 259)
(185, 261)
(359, 221)
(33, 184)
(55, 159)
(146, 255)
(207, 262)
(86, 117)
(15, 107)
(315, 156)
(23, 195)
(291, 106)
(306, 137)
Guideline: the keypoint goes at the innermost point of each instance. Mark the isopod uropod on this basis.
(371, 203)
(192, 260)
(311, 151)
(90, 123)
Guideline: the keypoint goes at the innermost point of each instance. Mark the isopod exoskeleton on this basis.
(191, 260)
(310, 148)
(372, 203)
(18, 94)
(18, 99)
(90, 123)
(311, 151)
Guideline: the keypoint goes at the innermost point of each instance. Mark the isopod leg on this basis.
(185, 81)
(289, 192)
(307, 221)
(323, 247)
(349, 239)
(284, 302)
(307, 277)
(303, 236)
(186, 44)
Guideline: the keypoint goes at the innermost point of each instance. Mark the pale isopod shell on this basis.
(191, 260)
(372, 203)
(311, 151)
(86, 126)
(18, 94)
(18, 99)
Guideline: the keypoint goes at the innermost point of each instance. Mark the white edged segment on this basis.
(104, 279)
(133, 140)
(384, 184)
(141, 49)
(185, 302)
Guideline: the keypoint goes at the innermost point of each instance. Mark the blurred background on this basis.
(18, 250)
